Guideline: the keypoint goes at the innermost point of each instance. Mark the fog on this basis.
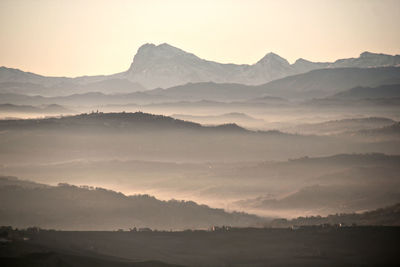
(298, 170)
(317, 148)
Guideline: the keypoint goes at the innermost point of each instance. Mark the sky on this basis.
(74, 38)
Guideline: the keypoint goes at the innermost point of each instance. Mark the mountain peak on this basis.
(168, 46)
(301, 61)
(151, 56)
(272, 57)
(150, 48)
(368, 54)
(146, 46)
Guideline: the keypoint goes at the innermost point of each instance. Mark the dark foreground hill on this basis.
(37, 256)
(312, 246)
(83, 208)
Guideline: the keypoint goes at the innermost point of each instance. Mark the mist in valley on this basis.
(175, 158)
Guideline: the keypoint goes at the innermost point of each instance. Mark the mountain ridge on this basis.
(163, 66)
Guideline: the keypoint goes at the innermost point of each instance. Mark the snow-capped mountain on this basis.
(164, 66)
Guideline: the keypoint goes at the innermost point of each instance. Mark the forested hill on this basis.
(24, 204)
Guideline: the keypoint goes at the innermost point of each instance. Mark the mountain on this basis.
(313, 84)
(10, 75)
(269, 68)
(302, 65)
(85, 99)
(383, 91)
(163, 66)
(207, 91)
(328, 85)
(84, 208)
(27, 88)
(326, 82)
(110, 86)
(367, 60)
(53, 86)
(166, 66)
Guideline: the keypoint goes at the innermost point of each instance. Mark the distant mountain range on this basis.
(26, 109)
(163, 66)
(25, 203)
(385, 95)
(383, 91)
(166, 66)
(326, 82)
(313, 84)
(19, 82)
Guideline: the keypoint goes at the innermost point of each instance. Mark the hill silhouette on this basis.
(84, 208)
(389, 216)
(116, 122)
(383, 91)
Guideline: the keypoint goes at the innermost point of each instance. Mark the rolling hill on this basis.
(83, 208)
(389, 216)
(145, 136)
(341, 126)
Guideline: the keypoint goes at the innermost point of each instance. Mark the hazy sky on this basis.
(72, 37)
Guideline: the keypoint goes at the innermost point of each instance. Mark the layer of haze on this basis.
(75, 38)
